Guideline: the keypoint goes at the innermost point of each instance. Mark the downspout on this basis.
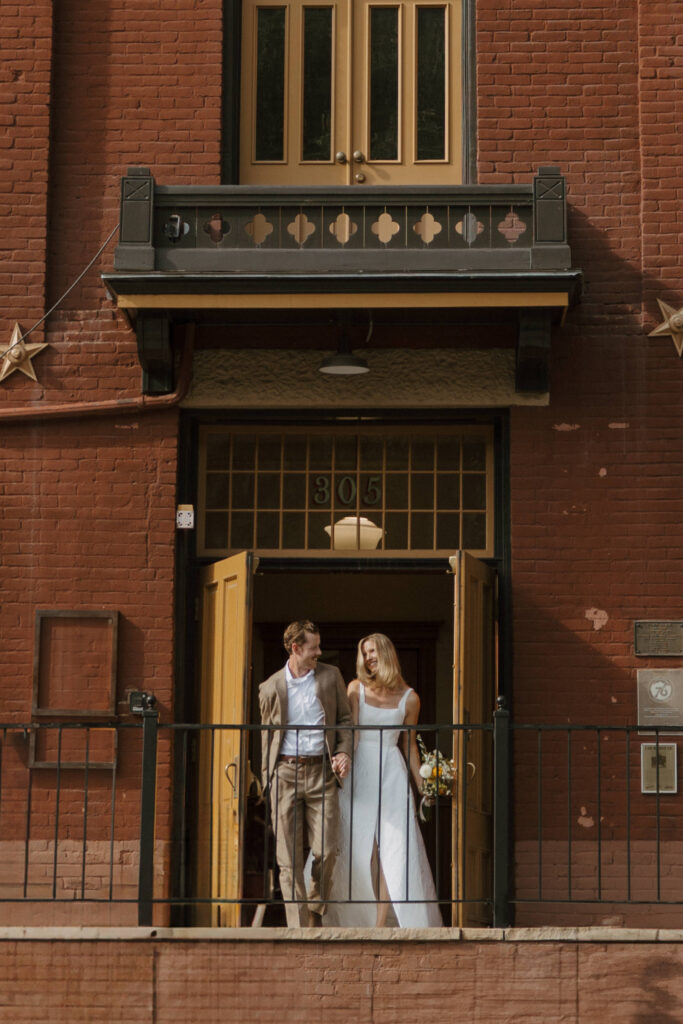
(119, 406)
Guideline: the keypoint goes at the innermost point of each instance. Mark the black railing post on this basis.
(150, 721)
(501, 816)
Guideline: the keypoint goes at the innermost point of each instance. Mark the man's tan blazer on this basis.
(330, 691)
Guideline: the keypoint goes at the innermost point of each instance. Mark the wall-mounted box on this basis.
(74, 664)
(658, 763)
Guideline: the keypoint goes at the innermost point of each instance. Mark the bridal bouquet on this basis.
(438, 773)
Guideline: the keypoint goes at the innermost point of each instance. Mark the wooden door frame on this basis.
(232, 73)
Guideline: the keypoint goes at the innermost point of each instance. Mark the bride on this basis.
(382, 859)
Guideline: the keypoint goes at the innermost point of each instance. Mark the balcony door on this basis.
(350, 93)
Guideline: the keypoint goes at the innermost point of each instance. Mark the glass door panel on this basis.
(295, 93)
(317, 84)
(431, 81)
(338, 93)
(407, 104)
(269, 142)
(384, 76)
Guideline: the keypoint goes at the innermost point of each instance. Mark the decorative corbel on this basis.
(532, 373)
(153, 333)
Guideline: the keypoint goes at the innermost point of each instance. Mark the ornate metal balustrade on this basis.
(256, 230)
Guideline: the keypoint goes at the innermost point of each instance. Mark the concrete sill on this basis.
(596, 934)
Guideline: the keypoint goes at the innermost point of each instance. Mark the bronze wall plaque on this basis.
(658, 639)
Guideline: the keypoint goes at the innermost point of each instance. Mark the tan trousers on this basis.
(304, 801)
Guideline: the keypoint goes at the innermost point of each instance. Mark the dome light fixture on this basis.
(344, 363)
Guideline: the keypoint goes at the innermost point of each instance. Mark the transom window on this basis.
(291, 490)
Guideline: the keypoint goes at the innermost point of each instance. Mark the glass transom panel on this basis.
(286, 490)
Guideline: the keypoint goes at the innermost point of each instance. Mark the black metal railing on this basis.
(600, 822)
(144, 815)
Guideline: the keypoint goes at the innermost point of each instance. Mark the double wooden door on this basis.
(344, 92)
(224, 768)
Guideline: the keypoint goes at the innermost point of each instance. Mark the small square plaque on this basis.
(658, 763)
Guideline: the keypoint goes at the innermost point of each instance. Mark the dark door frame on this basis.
(188, 564)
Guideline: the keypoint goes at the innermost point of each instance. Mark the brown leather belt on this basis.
(303, 759)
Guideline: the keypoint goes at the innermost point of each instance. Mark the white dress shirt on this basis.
(303, 708)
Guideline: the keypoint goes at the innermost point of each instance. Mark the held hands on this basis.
(341, 763)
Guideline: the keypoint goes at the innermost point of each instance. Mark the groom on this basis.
(302, 767)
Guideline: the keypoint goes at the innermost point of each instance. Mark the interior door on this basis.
(225, 661)
(474, 695)
(344, 92)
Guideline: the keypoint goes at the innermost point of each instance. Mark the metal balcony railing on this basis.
(243, 230)
(139, 815)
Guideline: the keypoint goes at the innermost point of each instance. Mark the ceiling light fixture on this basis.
(344, 363)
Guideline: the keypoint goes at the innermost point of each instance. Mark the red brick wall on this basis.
(25, 36)
(98, 87)
(88, 504)
(377, 983)
(88, 523)
(597, 499)
(596, 491)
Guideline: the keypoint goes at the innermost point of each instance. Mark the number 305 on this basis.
(346, 490)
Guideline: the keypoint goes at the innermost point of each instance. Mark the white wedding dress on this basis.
(383, 818)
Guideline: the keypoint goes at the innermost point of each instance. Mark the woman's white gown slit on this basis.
(378, 808)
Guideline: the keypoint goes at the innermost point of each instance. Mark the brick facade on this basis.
(596, 498)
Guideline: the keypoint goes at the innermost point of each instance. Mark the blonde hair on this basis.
(388, 674)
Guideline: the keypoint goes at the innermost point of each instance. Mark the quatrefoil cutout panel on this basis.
(343, 228)
(301, 229)
(511, 227)
(385, 227)
(427, 228)
(258, 229)
(216, 228)
(469, 227)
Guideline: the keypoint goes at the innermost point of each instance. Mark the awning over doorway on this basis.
(187, 251)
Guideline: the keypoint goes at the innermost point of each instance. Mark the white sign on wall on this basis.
(660, 697)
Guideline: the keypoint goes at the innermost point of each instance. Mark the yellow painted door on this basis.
(474, 696)
(344, 92)
(225, 615)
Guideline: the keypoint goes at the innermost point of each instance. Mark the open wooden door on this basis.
(225, 663)
(474, 696)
